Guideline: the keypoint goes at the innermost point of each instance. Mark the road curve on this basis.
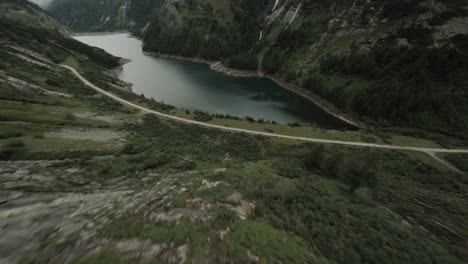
(430, 151)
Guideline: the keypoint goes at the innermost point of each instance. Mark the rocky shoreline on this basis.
(101, 33)
(315, 99)
(309, 95)
(219, 67)
(167, 56)
(115, 72)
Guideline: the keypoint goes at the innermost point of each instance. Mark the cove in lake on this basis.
(194, 86)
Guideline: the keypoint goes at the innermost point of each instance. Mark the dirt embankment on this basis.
(167, 56)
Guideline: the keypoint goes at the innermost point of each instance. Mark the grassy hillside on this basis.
(86, 180)
(30, 14)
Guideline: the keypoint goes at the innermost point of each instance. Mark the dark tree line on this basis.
(417, 85)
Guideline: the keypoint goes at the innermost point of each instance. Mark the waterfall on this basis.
(260, 64)
(295, 14)
(276, 4)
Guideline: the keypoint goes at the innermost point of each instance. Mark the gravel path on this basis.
(430, 151)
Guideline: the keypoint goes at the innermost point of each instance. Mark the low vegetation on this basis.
(170, 192)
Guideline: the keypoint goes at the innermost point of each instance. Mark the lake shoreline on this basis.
(217, 66)
(326, 108)
(102, 33)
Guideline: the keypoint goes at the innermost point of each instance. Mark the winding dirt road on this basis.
(429, 151)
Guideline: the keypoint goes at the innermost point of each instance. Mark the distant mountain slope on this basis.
(42, 3)
(84, 179)
(401, 62)
(25, 12)
(104, 15)
(32, 44)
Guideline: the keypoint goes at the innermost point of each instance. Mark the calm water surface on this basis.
(194, 86)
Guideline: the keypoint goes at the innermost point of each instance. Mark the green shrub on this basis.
(290, 168)
(15, 144)
(105, 170)
(70, 117)
(202, 116)
(52, 83)
(187, 165)
(10, 134)
(7, 153)
(156, 161)
(244, 62)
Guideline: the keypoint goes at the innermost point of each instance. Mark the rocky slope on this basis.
(87, 180)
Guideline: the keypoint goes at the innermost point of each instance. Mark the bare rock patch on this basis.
(87, 134)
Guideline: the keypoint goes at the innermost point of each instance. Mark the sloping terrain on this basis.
(86, 180)
(106, 15)
(391, 63)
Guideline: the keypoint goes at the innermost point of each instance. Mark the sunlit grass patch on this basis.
(72, 62)
(182, 231)
(248, 240)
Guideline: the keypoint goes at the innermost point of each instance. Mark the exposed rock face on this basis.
(453, 27)
(59, 212)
